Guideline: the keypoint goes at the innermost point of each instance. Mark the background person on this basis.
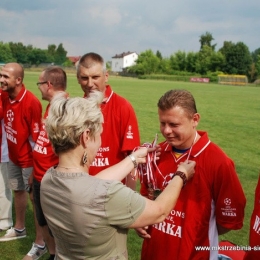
(6, 196)
(89, 216)
(52, 82)
(22, 119)
(212, 203)
(120, 129)
(254, 233)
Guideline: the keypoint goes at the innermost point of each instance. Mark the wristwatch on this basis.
(131, 156)
(182, 175)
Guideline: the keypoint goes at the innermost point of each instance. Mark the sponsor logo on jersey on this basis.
(227, 210)
(36, 128)
(10, 115)
(11, 138)
(256, 226)
(169, 228)
(38, 148)
(100, 162)
(129, 133)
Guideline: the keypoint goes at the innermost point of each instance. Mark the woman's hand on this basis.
(140, 154)
(188, 167)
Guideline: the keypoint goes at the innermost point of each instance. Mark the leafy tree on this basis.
(206, 39)
(159, 55)
(19, 52)
(255, 54)
(191, 61)
(164, 66)
(253, 72)
(237, 58)
(217, 59)
(203, 62)
(257, 65)
(181, 60)
(6, 53)
(67, 63)
(60, 55)
(51, 53)
(37, 56)
(147, 63)
(173, 63)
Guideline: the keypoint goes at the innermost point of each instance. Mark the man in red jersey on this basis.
(211, 204)
(22, 119)
(52, 82)
(120, 129)
(254, 233)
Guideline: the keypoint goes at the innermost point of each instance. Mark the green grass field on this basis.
(230, 115)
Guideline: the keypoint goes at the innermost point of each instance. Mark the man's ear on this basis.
(106, 76)
(18, 80)
(196, 119)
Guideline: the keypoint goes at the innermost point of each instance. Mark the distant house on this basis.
(123, 60)
(74, 59)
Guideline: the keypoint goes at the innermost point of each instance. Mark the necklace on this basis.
(67, 168)
(188, 157)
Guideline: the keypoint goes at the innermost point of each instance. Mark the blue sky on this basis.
(115, 26)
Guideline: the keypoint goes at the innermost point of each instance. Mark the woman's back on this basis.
(91, 215)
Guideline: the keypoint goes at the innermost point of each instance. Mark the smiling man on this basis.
(213, 201)
(120, 129)
(22, 119)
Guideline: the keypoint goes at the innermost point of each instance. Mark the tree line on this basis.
(231, 58)
(29, 55)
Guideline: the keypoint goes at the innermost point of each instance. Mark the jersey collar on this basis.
(20, 95)
(108, 94)
(197, 148)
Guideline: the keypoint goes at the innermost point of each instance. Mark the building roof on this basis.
(74, 59)
(122, 55)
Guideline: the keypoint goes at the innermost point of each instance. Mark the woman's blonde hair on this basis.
(68, 118)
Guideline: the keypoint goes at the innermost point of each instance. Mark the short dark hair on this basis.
(180, 98)
(57, 76)
(89, 59)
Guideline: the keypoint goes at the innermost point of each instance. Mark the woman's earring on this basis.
(85, 158)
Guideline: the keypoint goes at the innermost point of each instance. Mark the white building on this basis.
(123, 60)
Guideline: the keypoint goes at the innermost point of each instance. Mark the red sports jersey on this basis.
(120, 132)
(214, 195)
(22, 118)
(254, 235)
(43, 154)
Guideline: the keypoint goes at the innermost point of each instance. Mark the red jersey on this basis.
(213, 196)
(120, 132)
(43, 154)
(22, 119)
(254, 235)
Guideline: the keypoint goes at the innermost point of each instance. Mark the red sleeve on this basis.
(129, 128)
(34, 118)
(229, 196)
(254, 234)
(1, 107)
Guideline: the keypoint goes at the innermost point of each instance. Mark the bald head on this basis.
(11, 78)
(15, 68)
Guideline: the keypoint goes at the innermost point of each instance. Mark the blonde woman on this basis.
(89, 216)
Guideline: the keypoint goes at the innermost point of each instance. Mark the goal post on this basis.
(240, 80)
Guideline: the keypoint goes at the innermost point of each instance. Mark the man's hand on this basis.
(142, 232)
